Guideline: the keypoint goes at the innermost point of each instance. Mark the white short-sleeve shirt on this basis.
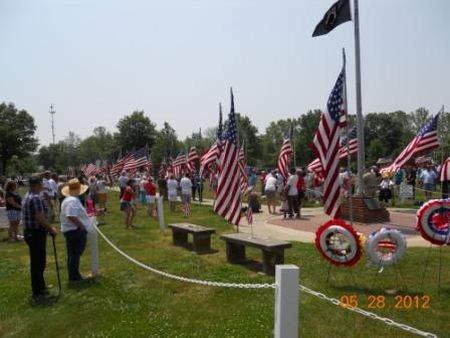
(186, 186)
(72, 207)
(292, 183)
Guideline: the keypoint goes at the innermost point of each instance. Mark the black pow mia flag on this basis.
(337, 14)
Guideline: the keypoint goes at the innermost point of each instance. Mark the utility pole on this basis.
(52, 113)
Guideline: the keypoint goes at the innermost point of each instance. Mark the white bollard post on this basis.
(160, 212)
(286, 301)
(94, 250)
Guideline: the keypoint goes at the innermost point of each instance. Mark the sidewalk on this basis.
(303, 230)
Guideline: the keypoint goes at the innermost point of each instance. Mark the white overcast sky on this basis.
(97, 61)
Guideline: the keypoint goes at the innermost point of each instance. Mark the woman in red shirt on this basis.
(126, 204)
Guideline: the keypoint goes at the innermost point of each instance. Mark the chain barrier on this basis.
(322, 296)
(368, 314)
(185, 279)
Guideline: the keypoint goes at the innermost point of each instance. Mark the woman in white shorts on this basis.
(150, 193)
(172, 187)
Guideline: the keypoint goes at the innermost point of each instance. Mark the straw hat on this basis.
(74, 188)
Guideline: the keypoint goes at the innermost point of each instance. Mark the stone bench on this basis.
(272, 250)
(201, 236)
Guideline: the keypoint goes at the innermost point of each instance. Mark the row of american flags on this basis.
(226, 159)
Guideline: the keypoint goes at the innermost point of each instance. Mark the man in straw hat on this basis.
(36, 226)
(74, 225)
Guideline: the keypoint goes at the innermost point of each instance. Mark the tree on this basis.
(17, 134)
(166, 144)
(136, 131)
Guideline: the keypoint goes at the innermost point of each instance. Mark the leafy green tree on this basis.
(17, 134)
(54, 156)
(136, 131)
(166, 144)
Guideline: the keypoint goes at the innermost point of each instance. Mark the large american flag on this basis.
(228, 201)
(89, 169)
(192, 158)
(243, 180)
(284, 157)
(425, 140)
(210, 157)
(326, 145)
(138, 159)
(178, 164)
(118, 166)
(352, 141)
(445, 171)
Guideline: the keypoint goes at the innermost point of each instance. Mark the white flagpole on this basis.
(350, 202)
(359, 116)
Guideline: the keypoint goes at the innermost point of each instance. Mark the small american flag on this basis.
(326, 145)
(284, 157)
(186, 208)
(249, 215)
(228, 202)
(425, 140)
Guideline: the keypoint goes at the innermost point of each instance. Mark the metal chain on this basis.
(185, 279)
(372, 315)
(266, 286)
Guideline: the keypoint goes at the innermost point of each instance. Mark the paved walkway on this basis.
(303, 230)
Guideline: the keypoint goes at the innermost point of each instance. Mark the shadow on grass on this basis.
(83, 284)
(44, 302)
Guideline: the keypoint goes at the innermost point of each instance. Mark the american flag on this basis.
(425, 140)
(118, 166)
(162, 169)
(243, 180)
(284, 157)
(326, 145)
(186, 208)
(211, 157)
(90, 169)
(138, 159)
(178, 164)
(350, 138)
(191, 160)
(228, 202)
(149, 165)
(249, 215)
(445, 170)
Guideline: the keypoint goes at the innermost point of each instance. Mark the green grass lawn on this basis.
(127, 301)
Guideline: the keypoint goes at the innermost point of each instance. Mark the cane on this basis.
(57, 265)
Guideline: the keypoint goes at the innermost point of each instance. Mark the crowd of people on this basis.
(76, 200)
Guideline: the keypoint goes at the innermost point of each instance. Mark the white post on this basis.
(286, 301)
(160, 212)
(94, 250)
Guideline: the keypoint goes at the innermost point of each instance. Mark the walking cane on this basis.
(57, 265)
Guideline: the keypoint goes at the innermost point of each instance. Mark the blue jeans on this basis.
(76, 243)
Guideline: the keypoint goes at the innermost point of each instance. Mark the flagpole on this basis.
(359, 116)
(442, 147)
(293, 147)
(350, 193)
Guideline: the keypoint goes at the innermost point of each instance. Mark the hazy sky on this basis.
(99, 60)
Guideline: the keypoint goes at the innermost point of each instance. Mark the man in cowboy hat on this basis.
(74, 225)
